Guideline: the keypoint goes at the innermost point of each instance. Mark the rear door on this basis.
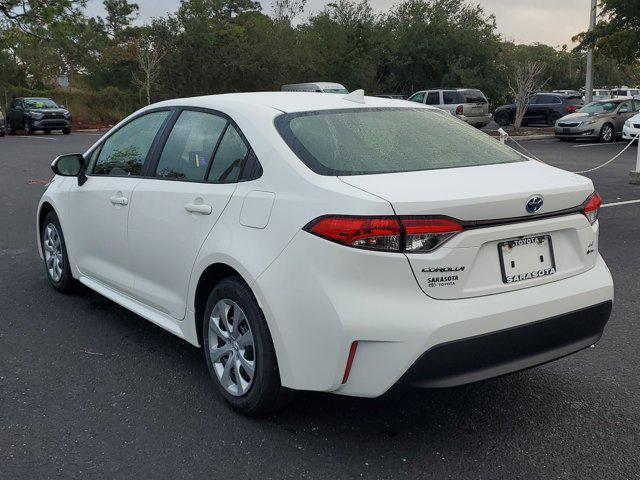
(198, 163)
(99, 209)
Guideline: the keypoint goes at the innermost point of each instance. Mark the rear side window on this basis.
(124, 152)
(433, 98)
(472, 96)
(190, 146)
(229, 158)
(450, 98)
(387, 140)
(418, 97)
(547, 99)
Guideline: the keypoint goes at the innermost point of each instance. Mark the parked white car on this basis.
(631, 128)
(599, 94)
(332, 243)
(626, 92)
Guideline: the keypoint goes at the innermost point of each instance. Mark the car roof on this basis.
(286, 102)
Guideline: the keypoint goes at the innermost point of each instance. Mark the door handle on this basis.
(201, 208)
(119, 200)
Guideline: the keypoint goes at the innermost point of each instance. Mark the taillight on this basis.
(426, 234)
(572, 109)
(459, 110)
(391, 234)
(592, 207)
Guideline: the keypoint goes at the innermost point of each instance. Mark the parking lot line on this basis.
(36, 137)
(592, 145)
(617, 204)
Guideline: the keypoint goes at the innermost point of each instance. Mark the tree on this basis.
(120, 14)
(149, 53)
(526, 81)
(617, 34)
(32, 17)
(285, 11)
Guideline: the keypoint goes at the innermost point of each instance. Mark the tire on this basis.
(28, 128)
(503, 119)
(66, 131)
(47, 132)
(51, 229)
(553, 118)
(2, 134)
(607, 132)
(231, 315)
(10, 129)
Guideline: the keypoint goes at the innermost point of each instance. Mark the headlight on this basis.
(36, 116)
(589, 122)
(627, 123)
(66, 114)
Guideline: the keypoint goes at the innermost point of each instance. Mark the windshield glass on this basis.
(387, 140)
(45, 103)
(599, 107)
(335, 90)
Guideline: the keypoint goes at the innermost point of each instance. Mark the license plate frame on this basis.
(528, 241)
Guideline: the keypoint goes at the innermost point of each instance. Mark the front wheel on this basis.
(553, 118)
(66, 131)
(54, 250)
(606, 133)
(502, 119)
(239, 351)
(28, 128)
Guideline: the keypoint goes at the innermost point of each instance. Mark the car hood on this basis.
(579, 117)
(47, 110)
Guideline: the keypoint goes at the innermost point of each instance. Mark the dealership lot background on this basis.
(90, 390)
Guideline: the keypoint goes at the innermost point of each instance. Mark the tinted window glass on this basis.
(229, 158)
(418, 97)
(626, 107)
(547, 99)
(385, 140)
(450, 98)
(124, 152)
(433, 98)
(473, 96)
(190, 146)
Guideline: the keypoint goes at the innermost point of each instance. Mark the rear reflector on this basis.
(592, 208)
(391, 234)
(352, 354)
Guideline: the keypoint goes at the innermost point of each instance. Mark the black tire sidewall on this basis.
(263, 394)
(502, 119)
(553, 118)
(67, 282)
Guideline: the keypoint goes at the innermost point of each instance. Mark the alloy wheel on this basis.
(607, 133)
(53, 256)
(231, 347)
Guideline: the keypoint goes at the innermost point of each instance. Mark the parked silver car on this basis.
(467, 104)
(603, 120)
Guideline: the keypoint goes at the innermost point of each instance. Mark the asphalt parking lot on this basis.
(90, 390)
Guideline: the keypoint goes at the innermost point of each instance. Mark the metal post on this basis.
(592, 26)
(635, 174)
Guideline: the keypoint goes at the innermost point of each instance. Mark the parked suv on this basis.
(545, 108)
(32, 114)
(469, 105)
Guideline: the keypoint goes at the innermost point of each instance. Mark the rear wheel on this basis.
(10, 129)
(56, 261)
(553, 118)
(47, 131)
(503, 119)
(28, 128)
(606, 133)
(66, 131)
(239, 351)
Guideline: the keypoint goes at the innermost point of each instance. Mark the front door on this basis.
(99, 209)
(625, 111)
(172, 214)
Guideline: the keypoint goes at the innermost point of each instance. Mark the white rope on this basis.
(582, 171)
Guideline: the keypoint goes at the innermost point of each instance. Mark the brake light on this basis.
(426, 234)
(592, 208)
(572, 109)
(391, 234)
(459, 110)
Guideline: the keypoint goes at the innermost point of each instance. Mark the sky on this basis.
(553, 22)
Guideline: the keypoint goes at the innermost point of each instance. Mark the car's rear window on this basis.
(472, 96)
(387, 140)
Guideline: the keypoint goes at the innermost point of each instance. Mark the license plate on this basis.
(526, 258)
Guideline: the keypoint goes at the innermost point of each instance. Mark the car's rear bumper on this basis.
(479, 121)
(498, 353)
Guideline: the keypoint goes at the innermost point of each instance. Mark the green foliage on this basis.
(217, 46)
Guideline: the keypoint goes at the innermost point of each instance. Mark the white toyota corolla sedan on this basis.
(340, 244)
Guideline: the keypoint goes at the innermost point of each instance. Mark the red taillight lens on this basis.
(459, 110)
(592, 208)
(392, 234)
(572, 109)
(377, 233)
(426, 234)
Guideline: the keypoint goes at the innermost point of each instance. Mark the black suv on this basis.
(32, 114)
(545, 108)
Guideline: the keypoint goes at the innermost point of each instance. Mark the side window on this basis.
(124, 152)
(546, 100)
(229, 158)
(450, 98)
(189, 148)
(418, 97)
(626, 107)
(636, 106)
(433, 98)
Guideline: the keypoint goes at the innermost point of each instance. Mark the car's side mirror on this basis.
(71, 165)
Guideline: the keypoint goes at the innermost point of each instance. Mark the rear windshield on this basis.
(335, 90)
(472, 96)
(387, 140)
